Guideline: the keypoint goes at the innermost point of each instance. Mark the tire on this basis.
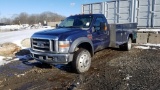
(127, 46)
(81, 61)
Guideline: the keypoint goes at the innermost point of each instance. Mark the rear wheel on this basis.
(127, 46)
(81, 61)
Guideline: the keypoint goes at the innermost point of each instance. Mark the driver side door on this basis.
(99, 36)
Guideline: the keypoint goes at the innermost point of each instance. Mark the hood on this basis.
(58, 32)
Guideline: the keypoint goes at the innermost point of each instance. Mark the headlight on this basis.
(63, 46)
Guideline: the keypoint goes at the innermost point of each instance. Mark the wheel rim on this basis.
(84, 62)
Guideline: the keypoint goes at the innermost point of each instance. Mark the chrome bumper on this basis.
(51, 58)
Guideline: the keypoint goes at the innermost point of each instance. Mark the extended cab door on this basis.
(100, 38)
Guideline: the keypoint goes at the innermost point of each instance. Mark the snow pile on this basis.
(2, 61)
(149, 30)
(148, 46)
(6, 60)
(11, 27)
(142, 47)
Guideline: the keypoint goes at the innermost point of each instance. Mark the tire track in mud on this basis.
(79, 79)
(97, 67)
(61, 78)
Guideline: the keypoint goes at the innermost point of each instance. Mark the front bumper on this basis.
(51, 58)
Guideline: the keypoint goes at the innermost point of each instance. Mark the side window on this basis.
(97, 23)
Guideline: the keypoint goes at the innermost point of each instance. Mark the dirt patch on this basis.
(133, 70)
(9, 49)
(26, 42)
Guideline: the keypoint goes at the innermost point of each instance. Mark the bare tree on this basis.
(16, 20)
(6, 20)
(33, 19)
(24, 18)
(50, 17)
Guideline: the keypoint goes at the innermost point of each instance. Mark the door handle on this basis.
(121, 34)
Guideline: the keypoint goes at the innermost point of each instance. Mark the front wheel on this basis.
(81, 61)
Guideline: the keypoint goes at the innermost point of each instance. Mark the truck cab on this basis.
(76, 39)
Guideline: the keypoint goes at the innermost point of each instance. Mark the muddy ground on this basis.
(111, 69)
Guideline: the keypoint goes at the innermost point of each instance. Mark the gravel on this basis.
(133, 70)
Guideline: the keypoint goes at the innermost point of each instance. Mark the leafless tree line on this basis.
(25, 18)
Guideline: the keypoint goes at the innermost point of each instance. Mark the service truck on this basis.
(76, 39)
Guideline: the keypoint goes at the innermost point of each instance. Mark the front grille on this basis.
(43, 44)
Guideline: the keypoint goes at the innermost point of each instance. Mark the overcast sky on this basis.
(9, 8)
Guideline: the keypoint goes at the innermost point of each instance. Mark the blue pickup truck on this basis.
(78, 37)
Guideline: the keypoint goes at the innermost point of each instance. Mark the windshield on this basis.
(79, 21)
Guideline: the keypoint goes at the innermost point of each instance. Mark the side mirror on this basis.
(95, 28)
(103, 26)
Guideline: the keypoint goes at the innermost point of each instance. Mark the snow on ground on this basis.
(148, 46)
(6, 60)
(16, 37)
(142, 47)
(3, 62)
(149, 30)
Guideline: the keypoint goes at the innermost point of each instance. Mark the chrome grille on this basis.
(42, 44)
